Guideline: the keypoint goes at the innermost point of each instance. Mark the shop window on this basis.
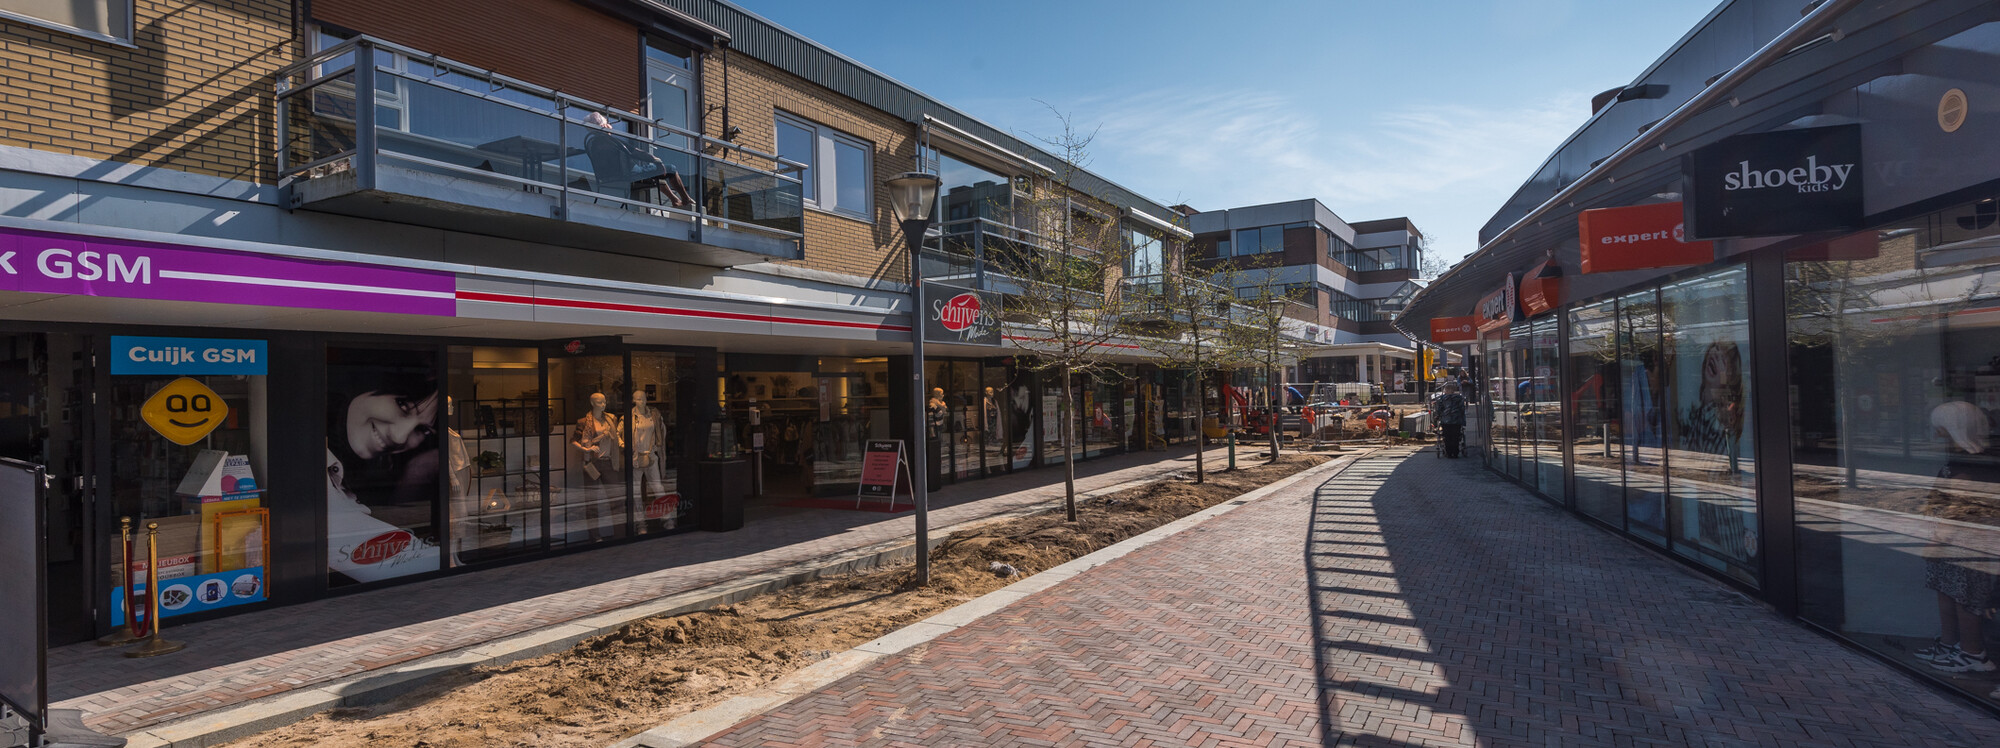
(190, 450)
(1894, 357)
(494, 444)
(383, 422)
(1643, 394)
(1545, 424)
(590, 399)
(1710, 462)
(1593, 401)
(654, 440)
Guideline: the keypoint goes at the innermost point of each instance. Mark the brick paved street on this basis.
(244, 657)
(1444, 607)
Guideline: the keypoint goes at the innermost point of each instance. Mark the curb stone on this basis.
(694, 727)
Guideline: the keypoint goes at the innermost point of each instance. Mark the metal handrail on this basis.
(558, 113)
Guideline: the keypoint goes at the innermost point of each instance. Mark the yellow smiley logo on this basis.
(184, 411)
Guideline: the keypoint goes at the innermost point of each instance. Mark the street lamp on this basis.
(1277, 309)
(912, 195)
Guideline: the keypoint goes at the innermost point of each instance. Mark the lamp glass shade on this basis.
(912, 195)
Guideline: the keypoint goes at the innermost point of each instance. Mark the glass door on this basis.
(46, 419)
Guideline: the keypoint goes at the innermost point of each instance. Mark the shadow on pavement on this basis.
(1450, 607)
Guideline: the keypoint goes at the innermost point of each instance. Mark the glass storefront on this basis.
(811, 415)
(494, 442)
(383, 410)
(1894, 343)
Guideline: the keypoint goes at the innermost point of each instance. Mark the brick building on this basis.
(458, 283)
(1349, 277)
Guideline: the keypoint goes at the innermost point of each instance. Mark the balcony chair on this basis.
(623, 170)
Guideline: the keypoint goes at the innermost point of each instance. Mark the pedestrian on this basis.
(1448, 410)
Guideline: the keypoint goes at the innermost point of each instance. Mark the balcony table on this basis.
(533, 153)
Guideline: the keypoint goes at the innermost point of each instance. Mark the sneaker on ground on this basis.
(1960, 661)
(1936, 649)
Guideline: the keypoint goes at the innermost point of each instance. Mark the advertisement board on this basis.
(961, 315)
(879, 467)
(1775, 183)
(1454, 329)
(1637, 237)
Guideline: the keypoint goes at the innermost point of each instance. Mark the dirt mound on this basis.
(654, 670)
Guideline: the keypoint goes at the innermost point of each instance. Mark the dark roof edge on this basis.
(794, 53)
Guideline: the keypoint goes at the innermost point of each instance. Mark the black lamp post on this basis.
(912, 195)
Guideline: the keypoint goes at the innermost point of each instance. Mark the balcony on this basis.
(982, 253)
(436, 143)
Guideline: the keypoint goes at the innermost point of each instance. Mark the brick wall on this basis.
(554, 43)
(834, 243)
(195, 94)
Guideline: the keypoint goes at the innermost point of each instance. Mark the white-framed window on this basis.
(106, 20)
(840, 168)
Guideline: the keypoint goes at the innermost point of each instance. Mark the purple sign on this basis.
(39, 262)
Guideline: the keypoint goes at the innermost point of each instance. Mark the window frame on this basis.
(131, 24)
(822, 169)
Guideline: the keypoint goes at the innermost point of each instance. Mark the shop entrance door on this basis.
(46, 382)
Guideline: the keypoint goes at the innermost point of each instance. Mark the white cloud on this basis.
(1446, 166)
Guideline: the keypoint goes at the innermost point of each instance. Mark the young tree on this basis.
(1263, 335)
(1067, 279)
(1187, 314)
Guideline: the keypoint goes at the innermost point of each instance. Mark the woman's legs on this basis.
(1948, 619)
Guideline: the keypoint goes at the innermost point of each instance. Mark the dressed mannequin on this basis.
(649, 444)
(599, 437)
(458, 467)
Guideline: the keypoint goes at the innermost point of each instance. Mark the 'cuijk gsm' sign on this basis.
(1775, 183)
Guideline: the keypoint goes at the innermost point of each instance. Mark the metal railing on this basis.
(979, 251)
(431, 114)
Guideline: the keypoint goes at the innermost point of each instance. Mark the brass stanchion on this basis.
(130, 632)
(155, 645)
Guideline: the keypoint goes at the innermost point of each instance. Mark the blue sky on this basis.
(1434, 110)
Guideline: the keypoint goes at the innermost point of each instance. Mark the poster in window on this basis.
(382, 463)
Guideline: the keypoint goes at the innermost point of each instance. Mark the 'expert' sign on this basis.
(188, 356)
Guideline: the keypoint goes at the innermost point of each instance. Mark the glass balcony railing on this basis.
(419, 112)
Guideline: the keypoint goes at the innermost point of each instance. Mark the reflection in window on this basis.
(493, 442)
(1710, 462)
(1894, 352)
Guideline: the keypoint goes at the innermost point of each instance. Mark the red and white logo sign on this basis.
(1454, 329)
(663, 507)
(1638, 237)
(573, 347)
(381, 547)
(960, 312)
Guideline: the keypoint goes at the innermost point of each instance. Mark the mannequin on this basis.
(599, 438)
(649, 443)
(458, 466)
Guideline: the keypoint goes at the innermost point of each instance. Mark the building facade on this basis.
(1759, 337)
(1350, 278)
(344, 293)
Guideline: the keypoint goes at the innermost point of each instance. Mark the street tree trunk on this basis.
(1069, 444)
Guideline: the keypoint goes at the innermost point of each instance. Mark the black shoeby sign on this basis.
(1775, 183)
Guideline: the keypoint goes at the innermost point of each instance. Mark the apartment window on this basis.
(1222, 246)
(1260, 241)
(839, 167)
(1147, 255)
(109, 20)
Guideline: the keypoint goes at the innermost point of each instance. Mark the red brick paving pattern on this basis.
(1450, 609)
(239, 658)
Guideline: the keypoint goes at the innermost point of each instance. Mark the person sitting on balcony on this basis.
(619, 160)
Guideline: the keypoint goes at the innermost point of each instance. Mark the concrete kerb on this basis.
(365, 689)
(697, 726)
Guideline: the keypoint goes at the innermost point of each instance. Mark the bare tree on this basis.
(1067, 283)
(1264, 335)
(1185, 318)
